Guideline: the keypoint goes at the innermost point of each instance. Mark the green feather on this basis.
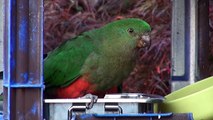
(62, 66)
(106, 55)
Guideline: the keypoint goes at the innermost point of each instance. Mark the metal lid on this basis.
(149, 98)
(112, 98)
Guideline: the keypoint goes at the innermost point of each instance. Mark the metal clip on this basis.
(113, 107)
(72, 108)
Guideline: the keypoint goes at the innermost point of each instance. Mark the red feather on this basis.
(80, 88)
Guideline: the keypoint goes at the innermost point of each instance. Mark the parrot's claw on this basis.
(93, 99)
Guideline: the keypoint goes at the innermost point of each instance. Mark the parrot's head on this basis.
(135, 31)
(139, 30)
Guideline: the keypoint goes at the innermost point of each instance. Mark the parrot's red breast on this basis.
(81, 87)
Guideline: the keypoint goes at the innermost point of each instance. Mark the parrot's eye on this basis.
(130, 30)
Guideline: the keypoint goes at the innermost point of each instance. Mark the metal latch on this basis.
(113, 108)
(78, 108)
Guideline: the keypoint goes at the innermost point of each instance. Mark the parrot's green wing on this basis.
(62, 66)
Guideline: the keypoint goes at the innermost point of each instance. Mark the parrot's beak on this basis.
(145, 41)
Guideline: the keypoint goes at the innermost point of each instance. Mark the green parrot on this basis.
(95, 61)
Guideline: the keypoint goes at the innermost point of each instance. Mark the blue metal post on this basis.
(23, 49)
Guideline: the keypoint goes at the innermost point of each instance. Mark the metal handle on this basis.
(113, 107)
(72, 108)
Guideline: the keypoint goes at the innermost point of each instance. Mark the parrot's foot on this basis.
(93, 99)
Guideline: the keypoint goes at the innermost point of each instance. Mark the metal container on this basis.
(125, 103)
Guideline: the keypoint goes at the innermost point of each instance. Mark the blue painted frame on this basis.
(23, 41)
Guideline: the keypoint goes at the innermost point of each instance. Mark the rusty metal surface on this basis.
(23, 45)
(203, 38)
